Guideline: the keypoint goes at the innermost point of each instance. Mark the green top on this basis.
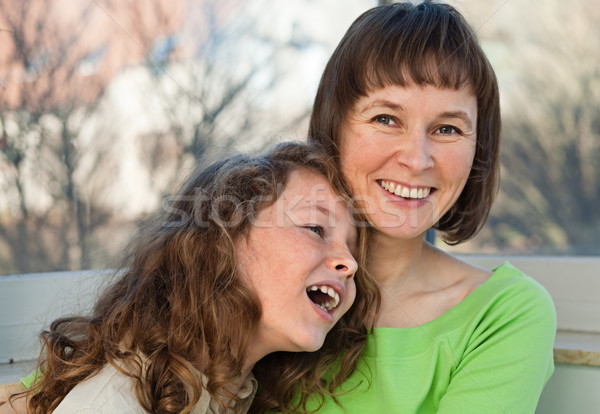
(30, 380)
(491, 353)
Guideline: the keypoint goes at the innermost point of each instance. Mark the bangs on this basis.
(420, 46)
(441, 70)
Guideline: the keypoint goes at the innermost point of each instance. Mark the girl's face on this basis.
(298, 259)
(407, 153)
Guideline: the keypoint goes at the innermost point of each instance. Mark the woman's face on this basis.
(298, 259)
(407, 153)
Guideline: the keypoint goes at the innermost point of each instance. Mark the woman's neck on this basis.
(394, 261)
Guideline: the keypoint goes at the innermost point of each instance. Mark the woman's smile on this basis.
(404, 191)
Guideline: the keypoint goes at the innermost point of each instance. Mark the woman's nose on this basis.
(415, 153)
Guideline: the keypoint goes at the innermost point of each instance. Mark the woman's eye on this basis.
(385, 120)
(448, 130)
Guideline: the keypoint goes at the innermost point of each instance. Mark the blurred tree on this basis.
(45, 95)
(550, 193)
(210, 84)
(193, 72)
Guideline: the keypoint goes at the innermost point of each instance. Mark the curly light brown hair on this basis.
(178, 306)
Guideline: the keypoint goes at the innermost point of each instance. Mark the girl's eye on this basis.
(317, 229)
(385, 120)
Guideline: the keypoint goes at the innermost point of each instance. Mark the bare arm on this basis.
(19, 405)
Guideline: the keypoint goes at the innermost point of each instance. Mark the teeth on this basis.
(331, 293)
(405, 192)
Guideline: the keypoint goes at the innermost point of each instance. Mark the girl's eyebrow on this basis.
(317, 206)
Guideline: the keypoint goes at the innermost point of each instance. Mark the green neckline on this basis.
(416, 340)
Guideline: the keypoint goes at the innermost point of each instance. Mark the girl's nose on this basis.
(343, 262)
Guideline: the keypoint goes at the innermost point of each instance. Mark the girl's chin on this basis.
(311, 346)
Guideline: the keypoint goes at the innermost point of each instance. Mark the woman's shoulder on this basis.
(504, 281)
(459, 278)
(501, 294)
(508, 280)
(511, 298)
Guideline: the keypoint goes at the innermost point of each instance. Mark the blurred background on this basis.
(106, 105)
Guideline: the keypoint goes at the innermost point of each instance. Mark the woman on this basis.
(408, 105)
(253, 256)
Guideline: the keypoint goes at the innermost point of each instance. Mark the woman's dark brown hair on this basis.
(178, 307)
(426, 44)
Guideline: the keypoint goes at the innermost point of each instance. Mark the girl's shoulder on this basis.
(109, 391)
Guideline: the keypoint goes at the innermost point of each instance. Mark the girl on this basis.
(253, 256)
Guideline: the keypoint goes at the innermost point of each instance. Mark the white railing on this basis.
(28, 303)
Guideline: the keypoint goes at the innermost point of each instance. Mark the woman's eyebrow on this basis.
(463, 116)
(383, 103)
